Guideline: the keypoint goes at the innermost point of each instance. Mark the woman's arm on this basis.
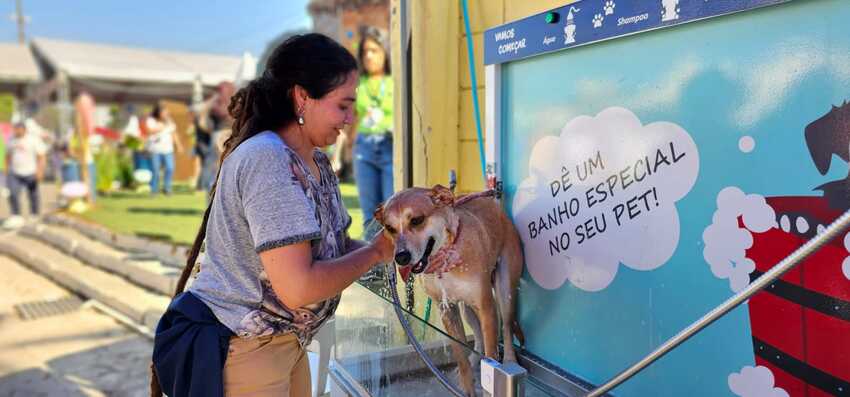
(298, 280)
(178, 146)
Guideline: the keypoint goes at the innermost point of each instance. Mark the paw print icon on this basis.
(609, 7)
(597, 20)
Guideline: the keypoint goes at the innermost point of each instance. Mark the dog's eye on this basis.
(417, 221)
(390, 229)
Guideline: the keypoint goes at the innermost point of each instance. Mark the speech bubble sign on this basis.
(603, 193)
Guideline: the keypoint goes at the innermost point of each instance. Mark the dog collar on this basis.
(444, 260)
(447, 257)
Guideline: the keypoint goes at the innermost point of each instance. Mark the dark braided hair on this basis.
(312, 61)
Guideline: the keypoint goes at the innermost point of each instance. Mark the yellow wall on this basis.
(444, 132)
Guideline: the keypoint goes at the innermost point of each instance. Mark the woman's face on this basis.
(325, 119)
(373, 57)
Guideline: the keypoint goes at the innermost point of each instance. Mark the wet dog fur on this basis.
(422, 221)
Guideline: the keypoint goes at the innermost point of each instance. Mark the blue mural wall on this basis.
(646, 176)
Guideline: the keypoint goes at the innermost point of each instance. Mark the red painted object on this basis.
(801, 324)
(108, 133)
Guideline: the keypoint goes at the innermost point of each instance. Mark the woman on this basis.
(161, 143)
(373, 144)
(205, 123)
(277, 252)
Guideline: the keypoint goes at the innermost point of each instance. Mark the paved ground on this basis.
(49, 192)
(82, 353)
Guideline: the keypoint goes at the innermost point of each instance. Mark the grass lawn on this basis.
(177, 217)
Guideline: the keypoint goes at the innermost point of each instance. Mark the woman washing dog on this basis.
(277, 251)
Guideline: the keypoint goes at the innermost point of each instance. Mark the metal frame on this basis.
(406, 94)
(553, 380)
(502, 379)
(345, 382)
(493, 123)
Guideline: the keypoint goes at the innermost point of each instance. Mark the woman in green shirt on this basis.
(373, 144)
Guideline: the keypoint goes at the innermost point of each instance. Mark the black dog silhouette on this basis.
(826, 136)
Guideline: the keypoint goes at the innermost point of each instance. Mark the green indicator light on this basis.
(551, 17)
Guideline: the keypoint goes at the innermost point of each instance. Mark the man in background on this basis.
(25, 165)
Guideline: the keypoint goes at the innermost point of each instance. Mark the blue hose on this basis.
(456, 391)
(469, 48)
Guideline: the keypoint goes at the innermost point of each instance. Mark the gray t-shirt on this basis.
(267, 198)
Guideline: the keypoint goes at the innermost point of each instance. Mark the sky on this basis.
(211, 26)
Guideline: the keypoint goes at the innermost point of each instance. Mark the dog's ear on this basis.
(442, 196)
(379, 214)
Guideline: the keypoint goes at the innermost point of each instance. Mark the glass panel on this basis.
(372, 347)
(421, 305)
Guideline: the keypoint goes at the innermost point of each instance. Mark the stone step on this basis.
(139, 304)
(145, 270)
(168, 253)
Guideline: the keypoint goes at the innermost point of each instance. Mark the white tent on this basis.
(246, 71)
(17, 68)
(119, 74)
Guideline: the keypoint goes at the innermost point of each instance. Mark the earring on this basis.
(300, 119)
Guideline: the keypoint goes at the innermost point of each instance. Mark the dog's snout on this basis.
(402, 258)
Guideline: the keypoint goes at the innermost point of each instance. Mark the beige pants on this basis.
(270, 366)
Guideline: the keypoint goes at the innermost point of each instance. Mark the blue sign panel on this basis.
(589, 21)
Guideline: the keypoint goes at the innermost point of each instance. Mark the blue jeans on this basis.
(20, 182)
(159, 160)
(209, 164)
(373, 171)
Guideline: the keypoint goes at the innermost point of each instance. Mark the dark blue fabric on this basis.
(189, 349)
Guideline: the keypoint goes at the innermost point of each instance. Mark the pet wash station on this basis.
(677, 171)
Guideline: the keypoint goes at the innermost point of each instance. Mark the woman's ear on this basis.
(299, 98)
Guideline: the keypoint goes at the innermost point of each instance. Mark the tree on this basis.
(7, 107)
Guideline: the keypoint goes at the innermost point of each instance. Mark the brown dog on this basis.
(463, 250)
